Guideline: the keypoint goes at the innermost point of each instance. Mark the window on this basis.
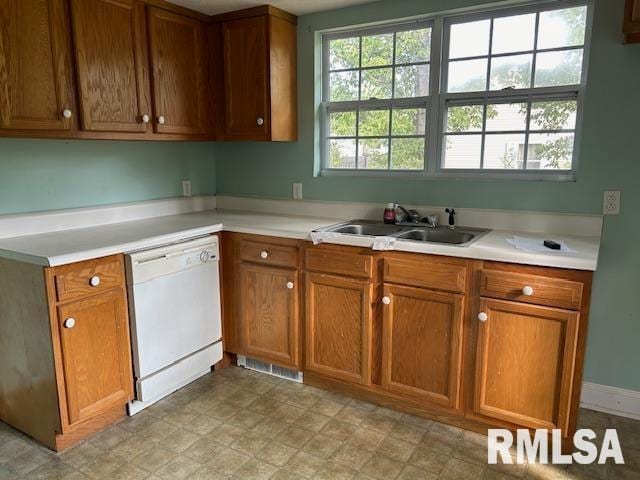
(499, 93)
(376, 90)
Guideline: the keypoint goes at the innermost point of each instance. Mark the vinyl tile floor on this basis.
(239, 424)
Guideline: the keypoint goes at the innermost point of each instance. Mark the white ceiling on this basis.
(297, 7)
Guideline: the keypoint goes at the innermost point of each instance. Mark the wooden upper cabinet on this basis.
(422, 344)
(246, 83)
(632, 21)
(260, 61)
(525, 363)
(178, 73)
(269, 309)
(95, 350)
(339, 327)
(35, 68)
(111, 64)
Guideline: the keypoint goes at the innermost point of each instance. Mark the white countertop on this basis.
(68, 246)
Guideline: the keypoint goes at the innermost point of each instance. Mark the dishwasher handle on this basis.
(149, 261)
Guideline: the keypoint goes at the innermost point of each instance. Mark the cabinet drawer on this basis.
(339, 261)
(552, 292)
(268, 253)
(428, 272)
(88, 278)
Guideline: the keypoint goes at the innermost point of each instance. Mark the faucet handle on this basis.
(452, 213)
(432, 220)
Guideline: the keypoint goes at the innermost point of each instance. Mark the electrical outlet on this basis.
(611, 202)
(186, 188)
(297, 191)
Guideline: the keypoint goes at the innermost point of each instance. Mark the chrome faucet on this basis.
(411, 216)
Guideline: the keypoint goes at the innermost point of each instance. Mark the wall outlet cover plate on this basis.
(186, 188)
(611, 202)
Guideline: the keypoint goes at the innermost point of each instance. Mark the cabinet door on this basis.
(35, 71)
(632, 21)
(246, 79)
(269, 310)
(178, 73)
(95, 345)
(422, 344)
(338, 327)
(525, 363)
(111, 59)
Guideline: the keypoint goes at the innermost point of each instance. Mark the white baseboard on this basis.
(613, 400)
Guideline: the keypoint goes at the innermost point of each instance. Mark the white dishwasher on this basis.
(176, 327)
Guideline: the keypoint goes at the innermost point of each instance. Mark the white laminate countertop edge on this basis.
(69, 246)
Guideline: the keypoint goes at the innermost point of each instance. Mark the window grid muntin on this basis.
(484, 103)
(389, 104)
(389, 137)
(574, 92)
(492, 16)
(438, 97)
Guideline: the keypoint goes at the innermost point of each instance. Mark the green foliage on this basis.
(412, 80)
(467, 118)
(554, 115)
(414, 46)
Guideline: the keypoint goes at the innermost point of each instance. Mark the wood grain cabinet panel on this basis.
(269, 253)
(111, 63)
(422, 344)
(88, 278)
(338, 327)
(35, 68)
(339, 260)
(178, 73)
(269, 309)
(260, 62)
(246, 83)
(632, 21)
(526, 356)
(95, 354)
(552, 292)
(426, 271)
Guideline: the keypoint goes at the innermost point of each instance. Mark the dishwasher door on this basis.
(174, 303)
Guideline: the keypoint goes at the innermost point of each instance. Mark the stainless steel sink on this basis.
(460, 236)
(364, 227)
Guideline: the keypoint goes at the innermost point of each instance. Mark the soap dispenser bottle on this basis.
(390, 213)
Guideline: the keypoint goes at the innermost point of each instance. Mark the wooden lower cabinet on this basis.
(65, 349)
(261, 298)
(422, 344)
(95, 350)
(472, 343)
(525, 363)
(338, 327)
(270, 313)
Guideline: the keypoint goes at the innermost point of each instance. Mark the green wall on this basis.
(54, 174)
(609, 160)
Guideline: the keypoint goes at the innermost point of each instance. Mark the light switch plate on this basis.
(186, 188)
(611, 202)
(297, 191)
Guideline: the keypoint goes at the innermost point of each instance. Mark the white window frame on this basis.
(438, 98)
(371, 104)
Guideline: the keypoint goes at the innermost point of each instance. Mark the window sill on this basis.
(563, 176)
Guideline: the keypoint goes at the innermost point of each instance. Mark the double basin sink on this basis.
(460, 236)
